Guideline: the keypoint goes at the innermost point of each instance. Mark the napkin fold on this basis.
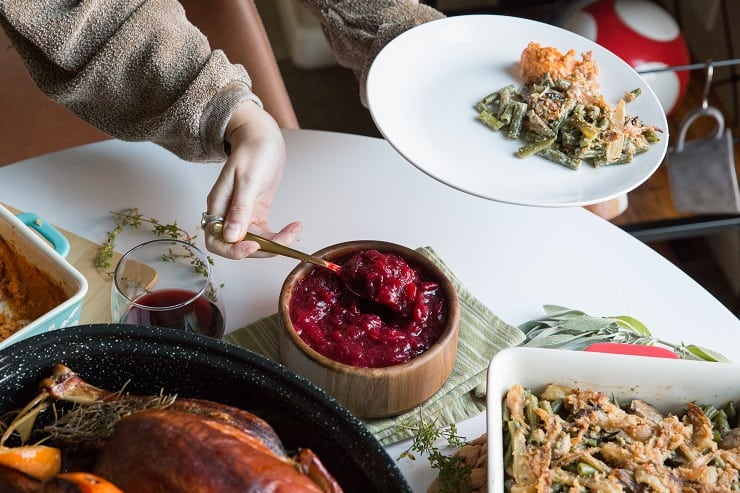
(481, 335)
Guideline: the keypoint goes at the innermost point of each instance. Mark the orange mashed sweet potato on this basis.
(537, 60)
(27, 292)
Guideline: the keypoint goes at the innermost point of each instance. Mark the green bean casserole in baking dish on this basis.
(567, 439)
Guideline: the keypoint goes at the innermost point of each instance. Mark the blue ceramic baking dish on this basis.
(43, 246)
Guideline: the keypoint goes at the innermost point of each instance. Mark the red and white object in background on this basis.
(644, 35)
(633, 349)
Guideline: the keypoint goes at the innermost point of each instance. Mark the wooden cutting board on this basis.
(96, 304)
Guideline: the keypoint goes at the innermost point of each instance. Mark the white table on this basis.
(345, 187)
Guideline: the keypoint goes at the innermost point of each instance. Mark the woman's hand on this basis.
(244, 190)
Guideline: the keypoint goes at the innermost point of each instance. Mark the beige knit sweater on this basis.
(138, 70)
(358, 29)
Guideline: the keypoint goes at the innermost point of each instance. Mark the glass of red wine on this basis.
(167, 283)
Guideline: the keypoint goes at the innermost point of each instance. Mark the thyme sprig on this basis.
(96, 420)
(453, 473)
(131, 218)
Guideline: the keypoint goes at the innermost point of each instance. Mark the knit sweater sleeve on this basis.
(358, 29)
(136, 69)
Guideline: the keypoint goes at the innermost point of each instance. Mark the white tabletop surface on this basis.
(345, 187)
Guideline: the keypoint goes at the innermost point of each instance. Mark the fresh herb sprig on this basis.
(453, 473)
(95, 421)
(132, 219)
(564, 328)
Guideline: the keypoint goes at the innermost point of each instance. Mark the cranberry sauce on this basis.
(386, 279)
(356, 331)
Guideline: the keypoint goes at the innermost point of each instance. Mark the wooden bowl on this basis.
(373, 392)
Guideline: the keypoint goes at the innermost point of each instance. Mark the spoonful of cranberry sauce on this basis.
(385, 279)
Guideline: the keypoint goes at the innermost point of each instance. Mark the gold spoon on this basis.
(215, 226)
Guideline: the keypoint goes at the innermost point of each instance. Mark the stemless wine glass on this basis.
(167, 283)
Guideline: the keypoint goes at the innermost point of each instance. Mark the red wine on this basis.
(201, 315)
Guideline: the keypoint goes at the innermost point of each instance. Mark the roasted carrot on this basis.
(38, 461)
(79, 482)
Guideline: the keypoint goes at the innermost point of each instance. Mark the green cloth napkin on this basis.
(481, 335)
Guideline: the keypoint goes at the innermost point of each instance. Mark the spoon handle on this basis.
(216, 229)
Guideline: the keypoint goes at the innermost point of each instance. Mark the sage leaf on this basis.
(557, 309)
(706, 354)
(565, 328)
(587, 324)
(633, 323)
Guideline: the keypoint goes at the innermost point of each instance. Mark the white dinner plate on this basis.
(423, 86)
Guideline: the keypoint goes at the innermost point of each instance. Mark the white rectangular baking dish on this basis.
(667, 384)
(50, 259)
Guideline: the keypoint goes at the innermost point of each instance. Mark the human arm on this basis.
(358, 29)
(139, 70)
(246, 186)
(136, 69)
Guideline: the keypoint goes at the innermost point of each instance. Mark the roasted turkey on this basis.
(181, 445)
